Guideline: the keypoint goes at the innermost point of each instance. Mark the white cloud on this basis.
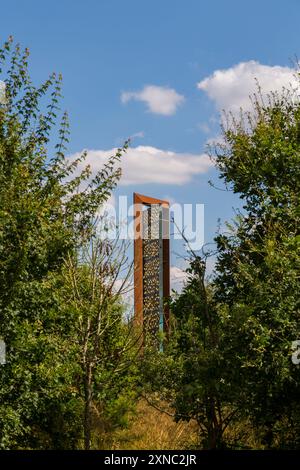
(230, 88)
(138, 135)
(159, 100)
(216, 140)
(210, 266)
(2, 92)
(145, 164)
(108, 206)
(177, 278)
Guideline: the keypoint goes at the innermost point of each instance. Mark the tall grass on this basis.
(151, 429)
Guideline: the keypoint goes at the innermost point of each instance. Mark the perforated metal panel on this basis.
(151, 267)
(152, 271)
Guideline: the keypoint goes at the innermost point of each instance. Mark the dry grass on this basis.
(151, 429)
(242, 435)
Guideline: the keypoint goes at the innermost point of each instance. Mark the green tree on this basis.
(94, 283)
(193, 375)
(47, 207)
(258, 263)
(229, 357)
(207, 390)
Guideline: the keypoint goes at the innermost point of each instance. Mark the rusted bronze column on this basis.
(151, 265)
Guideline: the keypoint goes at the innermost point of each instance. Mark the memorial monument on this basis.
(151, 267)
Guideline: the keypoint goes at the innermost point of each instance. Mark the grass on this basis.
(150, 429)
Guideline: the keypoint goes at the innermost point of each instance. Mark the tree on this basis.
(193, 375)
(47, 207)
(229, 357)
(207, 389)
(106, 343)
(258, 262)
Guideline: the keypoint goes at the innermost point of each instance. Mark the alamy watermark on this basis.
(179, 221)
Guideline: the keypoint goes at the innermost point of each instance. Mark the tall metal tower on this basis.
(151, 267)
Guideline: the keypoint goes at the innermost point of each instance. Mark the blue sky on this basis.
(105, 48)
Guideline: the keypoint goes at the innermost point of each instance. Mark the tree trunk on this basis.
(214, 430)
(87, 407)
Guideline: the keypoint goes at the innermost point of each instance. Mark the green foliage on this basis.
(47, 209)
(207, 391)
(71, 372)
(104, 341)
(258, 263)
(229, 359)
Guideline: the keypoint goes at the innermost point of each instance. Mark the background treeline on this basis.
(74, 376)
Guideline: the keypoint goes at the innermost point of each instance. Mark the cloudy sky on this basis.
(158, 71)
